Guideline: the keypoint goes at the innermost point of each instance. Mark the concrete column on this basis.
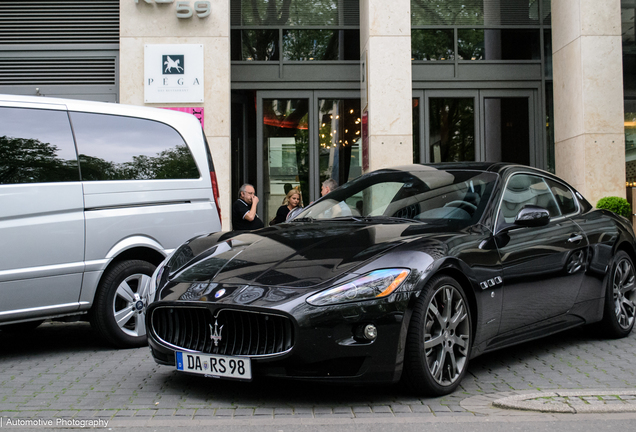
(152, 22)
(386, 86)
(588, 96)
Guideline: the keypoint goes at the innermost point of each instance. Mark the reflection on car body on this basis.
(434, 266)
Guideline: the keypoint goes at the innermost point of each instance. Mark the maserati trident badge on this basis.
(215, 333)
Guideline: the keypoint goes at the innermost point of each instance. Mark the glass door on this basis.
(284, 148)
(450, 120)
(508, 127)
(476, 125)
(303, 139)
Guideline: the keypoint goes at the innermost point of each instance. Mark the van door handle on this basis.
(575, 238)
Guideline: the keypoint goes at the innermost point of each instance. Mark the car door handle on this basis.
(575, 238)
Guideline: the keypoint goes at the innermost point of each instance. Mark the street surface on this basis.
(62, 375)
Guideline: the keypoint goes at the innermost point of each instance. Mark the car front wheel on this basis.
(439, 338)
(119, 309)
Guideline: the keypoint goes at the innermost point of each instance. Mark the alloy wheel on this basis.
(624, 293)
(130, 303)
(447, 335)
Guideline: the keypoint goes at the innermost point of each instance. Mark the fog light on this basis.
(370, 332)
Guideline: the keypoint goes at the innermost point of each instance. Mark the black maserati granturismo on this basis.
(403, 273)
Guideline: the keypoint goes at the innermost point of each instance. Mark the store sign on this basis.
(173, 73)
(184, 9)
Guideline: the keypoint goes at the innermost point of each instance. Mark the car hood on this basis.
(298, 255)
(286, 261)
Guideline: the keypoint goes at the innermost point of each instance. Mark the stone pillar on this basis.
(386, 85)
(154, 22)
(588, 96)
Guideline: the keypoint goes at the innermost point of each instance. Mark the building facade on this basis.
(293, 92)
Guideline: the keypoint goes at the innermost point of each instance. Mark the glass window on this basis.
(563, 196)
(522, 190)
(286, 148)
(498, 44)
(294, 12)
(255, 45)
(36, 146)
(452, 129)
(549, 125)
(507, 130)
(448, 197)
(416, 131)
(339, 134)
(547, 53)
(311, 44)
(474, 12)
(630, 139)
(127, 148)
(432, 44)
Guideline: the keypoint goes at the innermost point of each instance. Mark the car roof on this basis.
(495, 167)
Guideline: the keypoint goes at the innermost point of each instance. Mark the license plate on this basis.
(215, 365)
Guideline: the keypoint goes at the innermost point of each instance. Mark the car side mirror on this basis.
(532, 216)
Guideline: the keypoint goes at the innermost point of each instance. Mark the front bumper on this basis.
(326, 342)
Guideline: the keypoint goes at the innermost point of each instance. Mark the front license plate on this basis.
(215, 365)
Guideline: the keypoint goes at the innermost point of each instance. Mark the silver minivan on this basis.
(93, 196)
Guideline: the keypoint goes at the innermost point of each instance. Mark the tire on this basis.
(439, 339)
(620, 298)
(22, 327)
(122, 294)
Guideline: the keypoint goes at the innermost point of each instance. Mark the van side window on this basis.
(36, 146)
(115, 147)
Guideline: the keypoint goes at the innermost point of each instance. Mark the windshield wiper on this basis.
(346, 218)
(394, 219)
(303, 219)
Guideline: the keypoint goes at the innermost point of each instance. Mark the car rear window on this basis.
(127, 148)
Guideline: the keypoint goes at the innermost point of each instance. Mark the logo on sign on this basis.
(173, 64)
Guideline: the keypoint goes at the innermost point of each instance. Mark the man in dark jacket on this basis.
(244, 215)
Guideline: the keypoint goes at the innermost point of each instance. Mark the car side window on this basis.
(563, 196)
(525, 189)
(36, 146)
(113, 147)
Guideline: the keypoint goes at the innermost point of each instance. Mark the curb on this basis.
(555, 401)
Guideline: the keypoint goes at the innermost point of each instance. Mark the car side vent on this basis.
(58, 71)
(232, 332)
(59, 22)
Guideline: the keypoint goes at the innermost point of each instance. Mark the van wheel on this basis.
(119, 311)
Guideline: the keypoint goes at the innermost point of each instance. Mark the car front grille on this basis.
(235, 332)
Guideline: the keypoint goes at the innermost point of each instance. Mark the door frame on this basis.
(313, 125)
(536, 156)
(537, 134)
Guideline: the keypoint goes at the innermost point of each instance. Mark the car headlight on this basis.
(373, 285)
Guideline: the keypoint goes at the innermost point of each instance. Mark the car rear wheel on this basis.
(439, 338)
(620, 298)
(119, 310)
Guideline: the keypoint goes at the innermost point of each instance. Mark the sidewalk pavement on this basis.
(62, 371)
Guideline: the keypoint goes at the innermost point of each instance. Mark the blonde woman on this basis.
(292, 200)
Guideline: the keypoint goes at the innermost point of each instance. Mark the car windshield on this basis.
(424, 195)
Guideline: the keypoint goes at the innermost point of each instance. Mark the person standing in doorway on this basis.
(292, 200)
(244, 215)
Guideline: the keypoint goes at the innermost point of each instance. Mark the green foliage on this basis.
(32, 161)
(618, 205)
(427, 44)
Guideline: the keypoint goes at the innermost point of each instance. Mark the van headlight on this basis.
(373, 285)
